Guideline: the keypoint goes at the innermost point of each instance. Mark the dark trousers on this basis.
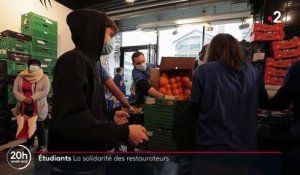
(40, 133)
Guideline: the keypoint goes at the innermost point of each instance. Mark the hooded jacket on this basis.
(80, 121)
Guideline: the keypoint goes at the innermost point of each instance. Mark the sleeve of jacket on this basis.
(140, 81)
(45, 90)
(263, 95)
(17, 89)
(71, 115)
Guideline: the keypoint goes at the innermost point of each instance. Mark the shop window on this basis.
(195, 46)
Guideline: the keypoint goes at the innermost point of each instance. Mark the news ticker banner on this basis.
(19, 157)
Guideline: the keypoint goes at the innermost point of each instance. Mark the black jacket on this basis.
(290, 91)
(80, 121)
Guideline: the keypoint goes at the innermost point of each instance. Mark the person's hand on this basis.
(131, 109)
(121, 117)
(137, 134)
(28, 100)
(169, 97)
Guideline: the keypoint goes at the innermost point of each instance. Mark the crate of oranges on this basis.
(169, 120)
(176, 84)
(174, 77)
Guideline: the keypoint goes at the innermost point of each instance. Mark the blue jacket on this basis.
(141, 82)
(227, 103)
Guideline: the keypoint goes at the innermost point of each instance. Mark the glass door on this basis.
(150, 53)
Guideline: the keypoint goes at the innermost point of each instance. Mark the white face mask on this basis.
(141, 67)
(108, 47)
(34, 68)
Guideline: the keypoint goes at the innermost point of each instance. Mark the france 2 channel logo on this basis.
(18, 157)
(277, 19)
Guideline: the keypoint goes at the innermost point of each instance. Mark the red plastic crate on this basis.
(275, 72)
(267, 36)
(274, 80)
(287, 53)
(271, 62)
(277, 45)
(258, 27)
(297, 41)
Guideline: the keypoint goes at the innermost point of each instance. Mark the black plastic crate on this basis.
(16, 35)
(274, 127)
(14, 56)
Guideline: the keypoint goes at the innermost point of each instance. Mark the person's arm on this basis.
(263, 95)
(155, 93)
(44, 92)
(110, 84)
(288, 91)
(145, 86)
(71, 115)
(17, 90)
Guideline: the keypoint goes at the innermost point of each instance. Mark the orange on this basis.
(169, 92)
(163, 90)
(186, 92)
(163, 81)
(185, 80)
(173, 86)
(179, 85)
(172, 80)
(189, 85)
(175, 92)
(180, 91)
(167, 86)
(177, 78)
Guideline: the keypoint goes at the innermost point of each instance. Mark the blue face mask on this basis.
(108, 47)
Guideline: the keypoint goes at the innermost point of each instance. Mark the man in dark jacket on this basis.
(80, 120)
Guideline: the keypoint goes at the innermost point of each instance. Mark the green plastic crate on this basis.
(15, 45)
(45, 60)
(42, 51)
(39, 33)
(11, 97)
(50, 78)
(44, 43)
(14, 68)
(170, 123)
(38, 20)
(47, 68)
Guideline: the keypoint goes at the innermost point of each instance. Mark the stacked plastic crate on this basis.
(273, 73)
(44, 39)
(15, 50)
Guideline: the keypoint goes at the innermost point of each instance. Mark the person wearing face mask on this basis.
(119, 80)
(80, 119)
(201, 55)
(112, 87)
(31, 88)
(141, 76)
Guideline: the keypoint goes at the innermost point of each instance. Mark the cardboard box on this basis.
(169, 64)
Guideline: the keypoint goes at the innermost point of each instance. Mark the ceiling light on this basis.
(129, 1)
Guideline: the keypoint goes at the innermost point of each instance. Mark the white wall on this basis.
(11, 11)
